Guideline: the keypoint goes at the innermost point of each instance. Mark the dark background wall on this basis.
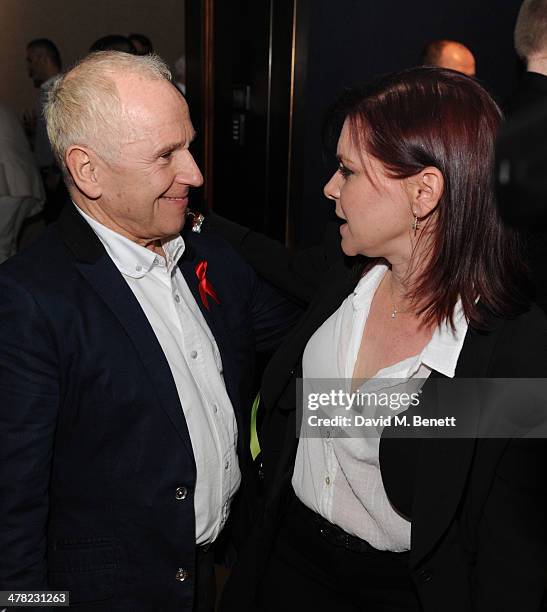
(73, 25)
(279, 64)
(350, 41)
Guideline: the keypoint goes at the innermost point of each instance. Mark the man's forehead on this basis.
(141, 96)
(457, 51)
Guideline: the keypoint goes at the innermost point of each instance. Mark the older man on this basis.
(126, 359)
(43, 67)
(449, 54)
(21, 191)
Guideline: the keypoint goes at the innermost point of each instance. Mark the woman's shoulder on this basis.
(530, 323)
(520, 349)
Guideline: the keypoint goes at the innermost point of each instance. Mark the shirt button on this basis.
(424, 575)
(226, 465)
(177, 298)
(193, 354)
(138, 268)
(181, 493)
(181, 575)
(327, 433)
(327, 481)
(156, 260)
(215, 408)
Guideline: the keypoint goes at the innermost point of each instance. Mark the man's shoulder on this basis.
(45, 261)
(214, 248)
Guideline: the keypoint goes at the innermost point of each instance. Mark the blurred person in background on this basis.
(530, 37)
(179, 72)
(113, 42)
(143, 45)
(44, 67)
(531, 46)
(43, 62)
(449, 54)
(21, 190)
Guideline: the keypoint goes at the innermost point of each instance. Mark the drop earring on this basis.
(415, 223)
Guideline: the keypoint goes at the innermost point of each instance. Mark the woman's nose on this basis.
(331, 189)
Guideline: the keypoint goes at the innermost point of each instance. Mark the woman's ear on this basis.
(426, 189)
(83, 170)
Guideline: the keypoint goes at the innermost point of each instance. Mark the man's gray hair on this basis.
(531, 29)
(84, 108)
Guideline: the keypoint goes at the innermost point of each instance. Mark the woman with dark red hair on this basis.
(432, 292)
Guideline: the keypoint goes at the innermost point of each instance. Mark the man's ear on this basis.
(426, 189)
(82, 166)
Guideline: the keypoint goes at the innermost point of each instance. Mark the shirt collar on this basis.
(366, 287)
(442, 351)
(131, 258)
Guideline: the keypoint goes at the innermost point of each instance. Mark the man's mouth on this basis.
(174, 199)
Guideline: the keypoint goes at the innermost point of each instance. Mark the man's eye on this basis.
(345, 172)
(166, 155)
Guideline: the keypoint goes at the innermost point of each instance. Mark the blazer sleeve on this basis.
(29, 401)
(297, 274)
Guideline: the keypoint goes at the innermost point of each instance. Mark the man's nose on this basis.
(188, 172)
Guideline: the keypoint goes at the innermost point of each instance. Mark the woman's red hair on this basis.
(433, 117)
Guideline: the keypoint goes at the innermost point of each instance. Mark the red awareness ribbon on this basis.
(205, 287)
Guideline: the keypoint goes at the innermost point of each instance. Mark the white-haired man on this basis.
(531, 46)
(126, 359)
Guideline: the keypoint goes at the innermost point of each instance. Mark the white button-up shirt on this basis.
(339, 478)
(196, 366)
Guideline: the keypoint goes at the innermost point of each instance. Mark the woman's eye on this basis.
(345, 172)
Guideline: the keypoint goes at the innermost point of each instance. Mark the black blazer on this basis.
(530, 91)
(478, 507)
(94, 444)
(530, 94)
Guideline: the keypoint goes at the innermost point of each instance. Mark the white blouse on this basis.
(339, 477)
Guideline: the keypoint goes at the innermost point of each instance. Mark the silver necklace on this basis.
(395, 311)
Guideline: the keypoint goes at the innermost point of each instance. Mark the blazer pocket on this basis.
(85, 567)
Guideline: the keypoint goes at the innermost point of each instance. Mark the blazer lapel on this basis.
(101, 273)
(214, 315)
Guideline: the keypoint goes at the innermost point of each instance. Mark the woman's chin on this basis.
(351, 249)
(348, 248)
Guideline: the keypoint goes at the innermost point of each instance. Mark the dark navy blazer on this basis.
(94, 443)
